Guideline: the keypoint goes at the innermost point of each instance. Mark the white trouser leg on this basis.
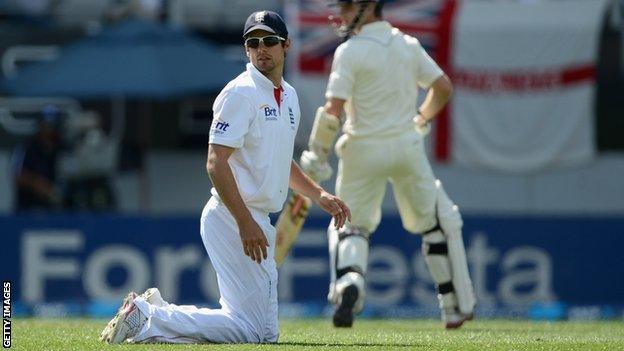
(361, 181)
(248, 312)
(191, 325)
(425, 208)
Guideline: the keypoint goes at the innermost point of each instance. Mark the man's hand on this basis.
(314, 167)
(423, 125)
(254, 241)
(334, 206)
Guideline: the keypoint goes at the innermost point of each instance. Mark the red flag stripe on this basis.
(578, 74)
(443, 130)
(523, 80)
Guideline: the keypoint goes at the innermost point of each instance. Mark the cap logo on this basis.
(260, 16)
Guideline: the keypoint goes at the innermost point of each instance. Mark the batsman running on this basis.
(375, 78)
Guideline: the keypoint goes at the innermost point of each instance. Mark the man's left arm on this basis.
(304, 185)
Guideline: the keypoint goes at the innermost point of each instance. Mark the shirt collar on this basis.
(376, 29)
(261, 79)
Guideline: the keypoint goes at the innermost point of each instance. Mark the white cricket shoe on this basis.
(343, 316)
(153, 297)
(454, 320)
(126, 324)
(113, 321)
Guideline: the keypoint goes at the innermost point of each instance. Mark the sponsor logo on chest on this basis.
(270, 113)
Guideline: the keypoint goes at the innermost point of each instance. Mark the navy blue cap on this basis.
(266, 20)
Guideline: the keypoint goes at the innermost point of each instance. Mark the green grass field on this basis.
(82, 334)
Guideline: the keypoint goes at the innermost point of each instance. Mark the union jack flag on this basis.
(427, 20)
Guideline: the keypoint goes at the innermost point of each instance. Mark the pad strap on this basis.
(446, 288)
(342, 271)
(437, 226)
(436, 249)
(342, 235)
(434, 229)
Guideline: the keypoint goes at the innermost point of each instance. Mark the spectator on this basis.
(35, 166)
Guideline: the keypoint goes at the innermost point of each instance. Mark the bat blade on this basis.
(289, 225)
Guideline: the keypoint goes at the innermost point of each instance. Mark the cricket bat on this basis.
(289, 225)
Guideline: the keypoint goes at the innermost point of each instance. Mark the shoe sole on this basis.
(116, 328)
(454, 325)
(343, 317)
(114, 320)
(107, 332)
(459, 323)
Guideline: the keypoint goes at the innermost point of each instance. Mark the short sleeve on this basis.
(341, 79)
(232, 116)
(428, 70)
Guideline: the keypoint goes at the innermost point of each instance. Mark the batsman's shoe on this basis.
(454, 320)
(131, 320)
(153, 297)
(130, 297)
(343, 316)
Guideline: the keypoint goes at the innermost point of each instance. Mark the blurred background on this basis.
(105, 108)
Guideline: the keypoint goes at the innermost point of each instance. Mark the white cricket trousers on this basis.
(368, 163)
(248, 312)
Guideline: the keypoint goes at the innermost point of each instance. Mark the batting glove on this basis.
(314, 167)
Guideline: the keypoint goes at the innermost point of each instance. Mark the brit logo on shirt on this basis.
(292, 118)
(219, 127)
(270, 113)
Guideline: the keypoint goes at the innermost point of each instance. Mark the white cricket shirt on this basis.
(378, 72)
(246, 116)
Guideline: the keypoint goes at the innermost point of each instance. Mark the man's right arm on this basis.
(335, 106)
(327, 119)
(437, 96)
(438, 85)
(254, 241)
